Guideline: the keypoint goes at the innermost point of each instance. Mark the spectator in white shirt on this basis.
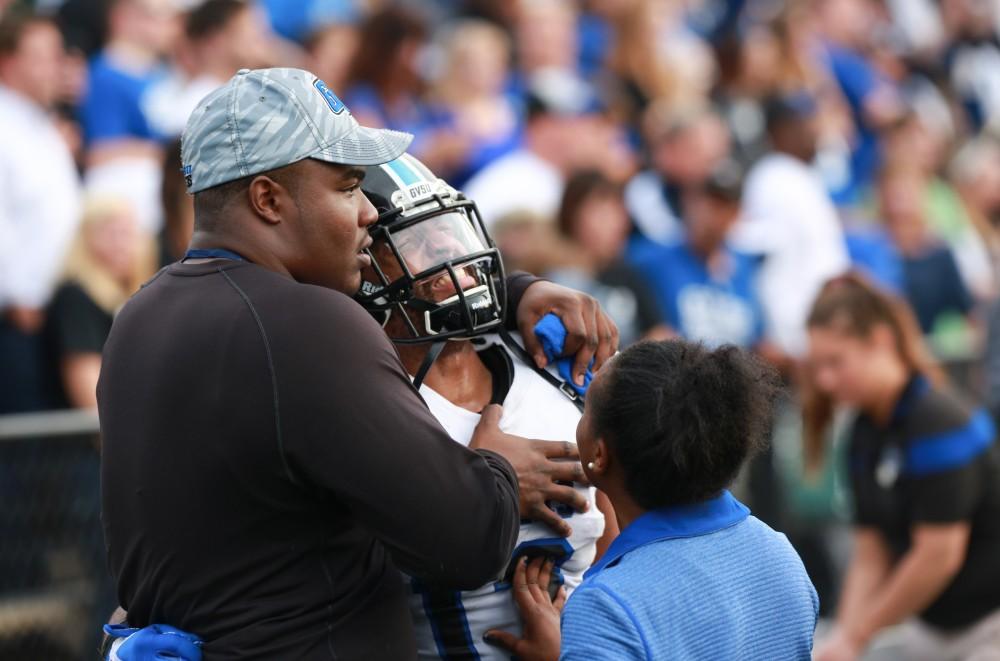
(566, 131)
(220, 37)
(789, 218)
(687, 141)
(39, 200)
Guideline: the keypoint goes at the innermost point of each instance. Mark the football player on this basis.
(436, 284)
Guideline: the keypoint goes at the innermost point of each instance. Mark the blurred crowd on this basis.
(702, 167)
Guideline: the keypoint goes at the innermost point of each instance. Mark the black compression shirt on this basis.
(936, 462)
(267, 466)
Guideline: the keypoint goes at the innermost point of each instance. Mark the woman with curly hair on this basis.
(693, 575)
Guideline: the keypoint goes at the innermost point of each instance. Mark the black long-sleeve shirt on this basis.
(267, 466)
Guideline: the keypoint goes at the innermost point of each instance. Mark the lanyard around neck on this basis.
(213, 253)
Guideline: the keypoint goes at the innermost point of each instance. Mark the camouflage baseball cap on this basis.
(268, 118)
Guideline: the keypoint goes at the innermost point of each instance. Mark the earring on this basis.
(590, 465)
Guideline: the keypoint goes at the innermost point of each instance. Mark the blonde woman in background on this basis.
(655, 57)
(108, 261)
(469, 107)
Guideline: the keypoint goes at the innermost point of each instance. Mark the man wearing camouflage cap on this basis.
(266, 463)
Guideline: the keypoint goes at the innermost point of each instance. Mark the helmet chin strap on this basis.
(438, 345)
(436, 348)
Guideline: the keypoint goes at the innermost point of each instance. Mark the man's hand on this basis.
(539, 613)
(590, 334)
(538, 467)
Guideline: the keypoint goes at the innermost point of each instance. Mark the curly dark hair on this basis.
(682, 418)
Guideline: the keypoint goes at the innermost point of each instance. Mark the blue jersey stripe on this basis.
(407, 175)
(449, 624)
(425, 597)
(465, 624)
(951, 449)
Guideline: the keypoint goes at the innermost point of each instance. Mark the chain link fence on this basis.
(55, 591)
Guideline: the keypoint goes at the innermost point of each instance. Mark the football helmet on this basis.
(431, 255)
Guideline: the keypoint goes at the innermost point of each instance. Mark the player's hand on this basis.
(590, 333)
(540, 466)
(539, 613)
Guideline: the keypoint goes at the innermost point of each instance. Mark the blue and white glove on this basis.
(552, 335)
(157, 642)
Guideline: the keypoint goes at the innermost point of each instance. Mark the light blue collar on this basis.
(674, 522)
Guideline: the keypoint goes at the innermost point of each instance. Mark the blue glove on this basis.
(552, 334)
(153, 643)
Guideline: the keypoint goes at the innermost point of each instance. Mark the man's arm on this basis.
(353, 426)
(591, 335)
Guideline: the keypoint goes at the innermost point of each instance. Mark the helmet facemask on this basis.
(434, 264)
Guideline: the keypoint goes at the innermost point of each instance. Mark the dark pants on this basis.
(22, 370)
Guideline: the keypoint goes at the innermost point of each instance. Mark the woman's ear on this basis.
(601, 461)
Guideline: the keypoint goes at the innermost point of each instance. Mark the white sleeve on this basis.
(761, 226)
(40, 216)
(8, 237)
(789, 219)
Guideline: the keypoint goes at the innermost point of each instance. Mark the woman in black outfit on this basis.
(925, 474)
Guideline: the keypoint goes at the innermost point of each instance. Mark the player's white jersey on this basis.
(451, 624)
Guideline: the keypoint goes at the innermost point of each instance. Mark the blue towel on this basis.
(552, 334)
(152, 643)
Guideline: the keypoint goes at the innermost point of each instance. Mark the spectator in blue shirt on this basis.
(123, 151)
(331, 42)
(705, 289)
(468, 105)
(873, 253)
(873, 99)
(384, 84)
(140, 33)
(931, 279)
(685, 141)
(593, 219)
(298, 20)
(693, 575)
(386, 88)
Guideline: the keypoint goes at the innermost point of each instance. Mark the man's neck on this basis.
(246, 249)
(131, 56)
(545, 151)
(713, 256)
(458, 374)
(911, 244)
(709, 252)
